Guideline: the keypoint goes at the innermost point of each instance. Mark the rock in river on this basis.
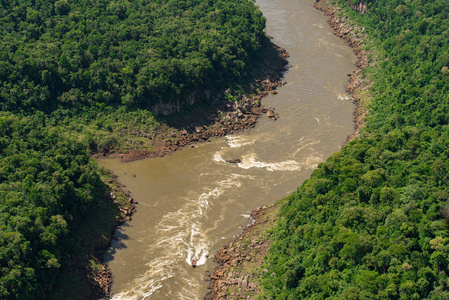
(234, 161)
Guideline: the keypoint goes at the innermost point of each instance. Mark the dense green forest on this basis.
(135, 53)
(75, 76)
(47, 183)
(369, 223)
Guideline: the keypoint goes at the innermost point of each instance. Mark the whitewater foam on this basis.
(343, 97)
(180, 236)
(305, 144)
(218, 157)
(237, 141)
(250, 161)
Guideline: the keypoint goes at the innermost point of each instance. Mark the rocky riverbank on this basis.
(239, 268)
(123, 206)
(86, 276)
(240, 262)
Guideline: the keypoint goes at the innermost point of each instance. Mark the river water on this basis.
(192, 203)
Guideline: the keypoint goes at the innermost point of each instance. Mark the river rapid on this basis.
(192, 203)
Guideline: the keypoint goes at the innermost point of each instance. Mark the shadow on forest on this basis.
(266, 63)
(117, 243)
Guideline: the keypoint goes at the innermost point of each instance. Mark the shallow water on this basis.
(191, 203)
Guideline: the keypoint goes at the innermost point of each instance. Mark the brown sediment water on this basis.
(193, 202)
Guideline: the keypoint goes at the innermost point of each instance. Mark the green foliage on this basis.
(47, 183)
(104, 129)
(367, 224)
(136, 53)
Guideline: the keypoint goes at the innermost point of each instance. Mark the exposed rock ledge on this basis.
(231, 280)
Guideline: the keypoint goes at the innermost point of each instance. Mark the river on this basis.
(191, 203)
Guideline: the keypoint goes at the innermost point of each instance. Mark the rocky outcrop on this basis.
(234, 161)
(361, 7)
(102, 280)
(271, 114)
(176, 105)
(239, 261)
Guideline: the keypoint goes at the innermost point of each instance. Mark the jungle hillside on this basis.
(371, 222)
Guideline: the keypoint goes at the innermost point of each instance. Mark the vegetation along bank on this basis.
(370, 222)
(130, 78)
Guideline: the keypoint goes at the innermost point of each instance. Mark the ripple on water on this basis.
(237, 141)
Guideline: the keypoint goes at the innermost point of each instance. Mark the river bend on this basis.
(191, 203)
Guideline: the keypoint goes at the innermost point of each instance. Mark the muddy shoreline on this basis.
(230, 280)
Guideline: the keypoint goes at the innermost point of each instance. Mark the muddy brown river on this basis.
(191, 203)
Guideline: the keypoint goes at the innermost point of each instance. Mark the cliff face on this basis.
(174, 106)
(361, 7)
(263, 69)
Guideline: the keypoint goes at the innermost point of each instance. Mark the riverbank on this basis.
(87, 277)
(353, 35)
(240, 261)
(98, 273)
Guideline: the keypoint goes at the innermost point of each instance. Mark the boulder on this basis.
(234, 161)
